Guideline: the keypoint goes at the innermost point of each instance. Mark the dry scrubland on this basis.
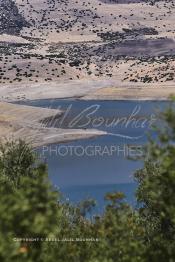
(119, 41)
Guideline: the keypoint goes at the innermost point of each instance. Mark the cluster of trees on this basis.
(30, 208)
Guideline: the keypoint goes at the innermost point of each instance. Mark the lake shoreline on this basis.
(90, 90)
(104, 90)
(28, 123)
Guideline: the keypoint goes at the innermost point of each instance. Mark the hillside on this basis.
(65, 40)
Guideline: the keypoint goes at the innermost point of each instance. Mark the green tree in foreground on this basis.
(156, 192)
(28, 205)
(31, 208)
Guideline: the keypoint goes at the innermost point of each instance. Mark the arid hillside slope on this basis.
(65, 40)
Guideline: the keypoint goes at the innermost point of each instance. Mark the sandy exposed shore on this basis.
(66, 89)
(107, 89)
(17, 121)
(149, 92)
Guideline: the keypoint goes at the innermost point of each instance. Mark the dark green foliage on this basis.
(28, 205)
(156, 192)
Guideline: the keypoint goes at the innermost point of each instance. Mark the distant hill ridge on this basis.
(11, 21)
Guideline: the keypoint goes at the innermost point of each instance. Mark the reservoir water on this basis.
(89, 168)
